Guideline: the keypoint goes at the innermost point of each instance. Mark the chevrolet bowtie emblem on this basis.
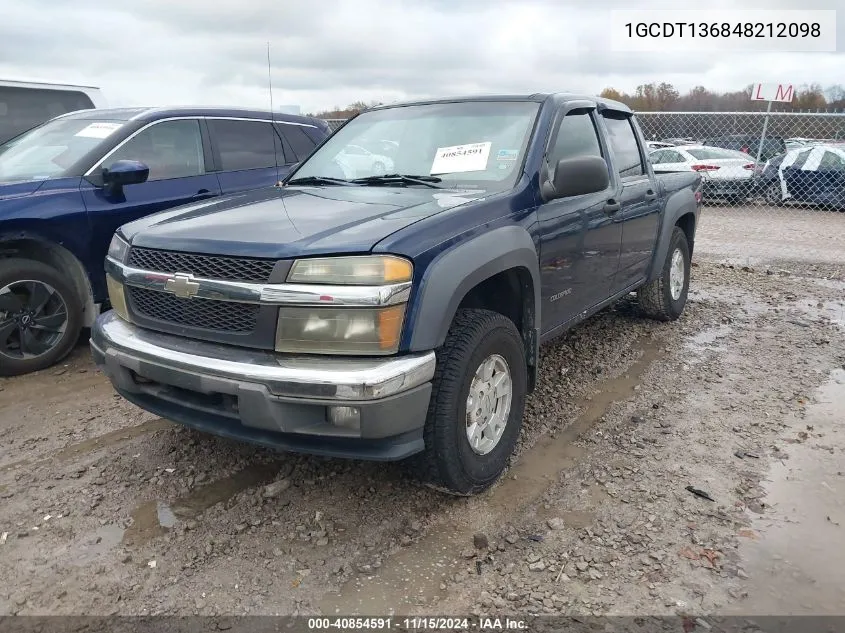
(182, 285)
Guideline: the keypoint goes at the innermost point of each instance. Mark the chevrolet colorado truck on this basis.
(357, 312)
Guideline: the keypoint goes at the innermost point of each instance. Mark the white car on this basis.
(358, 161)
(727, 173)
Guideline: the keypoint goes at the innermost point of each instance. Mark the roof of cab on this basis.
(558, 98)
(153, 114)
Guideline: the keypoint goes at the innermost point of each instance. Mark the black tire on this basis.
(656, 300)
(773, 194)
(53, 345)
(449, 463)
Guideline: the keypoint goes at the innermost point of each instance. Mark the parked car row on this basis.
(812, 172)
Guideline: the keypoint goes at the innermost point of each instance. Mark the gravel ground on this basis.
(754, 233)
(107, 509)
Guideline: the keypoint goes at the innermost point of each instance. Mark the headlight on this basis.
(345, 329)
(117, 297)
(366, 270)
(364, 331)
(118, 249)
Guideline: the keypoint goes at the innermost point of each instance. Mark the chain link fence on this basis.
(771, 159)
(774, 183)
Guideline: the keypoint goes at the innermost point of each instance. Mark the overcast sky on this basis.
(333, 52)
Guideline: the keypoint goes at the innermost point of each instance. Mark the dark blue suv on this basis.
(66, 185)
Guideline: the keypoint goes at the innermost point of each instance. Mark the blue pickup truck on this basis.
(357, 313)
(66, 185)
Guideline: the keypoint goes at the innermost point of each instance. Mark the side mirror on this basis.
(125, 172)
(579, 176)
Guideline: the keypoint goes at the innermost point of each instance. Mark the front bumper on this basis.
(267, 398)
(729, 187)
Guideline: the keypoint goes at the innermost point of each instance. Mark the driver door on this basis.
(177, 154)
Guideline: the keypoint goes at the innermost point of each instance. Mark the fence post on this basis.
(763, 135)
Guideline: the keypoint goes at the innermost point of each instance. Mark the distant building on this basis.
(290, 109)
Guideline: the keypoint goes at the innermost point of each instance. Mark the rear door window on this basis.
(623, 141)
(245, 144)
(300, 143)
(832, 161)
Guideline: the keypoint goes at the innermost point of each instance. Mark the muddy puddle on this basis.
(797, 565)
(831, 310)
(416, 576)
(709, 339)
(155, 518)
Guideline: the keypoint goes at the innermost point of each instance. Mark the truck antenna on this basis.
(273, 117)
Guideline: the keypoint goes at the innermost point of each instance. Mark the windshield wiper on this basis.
(390, 179)
(317, 180)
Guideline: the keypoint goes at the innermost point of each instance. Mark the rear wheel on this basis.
(774, 196)
(40, 316)
(477, 403)
(665, 297)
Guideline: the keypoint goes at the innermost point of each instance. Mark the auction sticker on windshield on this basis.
(98, 130)
(460, 158)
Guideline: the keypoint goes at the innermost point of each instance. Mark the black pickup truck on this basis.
(392, 307)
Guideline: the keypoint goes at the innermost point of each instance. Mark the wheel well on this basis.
(687, 224)
(510, 293)
(63, 261)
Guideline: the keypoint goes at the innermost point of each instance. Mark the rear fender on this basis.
(678, 204)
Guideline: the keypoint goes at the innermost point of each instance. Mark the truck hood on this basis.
(278, 223)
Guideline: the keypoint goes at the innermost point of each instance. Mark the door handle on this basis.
(202, 193)
(611, 206)
(650, 195)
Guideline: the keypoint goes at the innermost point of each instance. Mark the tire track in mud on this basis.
(84, 447)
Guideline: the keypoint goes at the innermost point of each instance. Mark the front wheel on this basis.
(477, 403)
(40, 316)
(664, 298)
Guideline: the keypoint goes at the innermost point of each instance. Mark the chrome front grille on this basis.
(203, 266)
(204, 314)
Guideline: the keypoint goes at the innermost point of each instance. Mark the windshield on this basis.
(712, 153)
(50, 149)
(478, 144)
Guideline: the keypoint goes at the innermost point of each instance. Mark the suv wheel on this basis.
(40, 316)
(477, 402)
(774, 196)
